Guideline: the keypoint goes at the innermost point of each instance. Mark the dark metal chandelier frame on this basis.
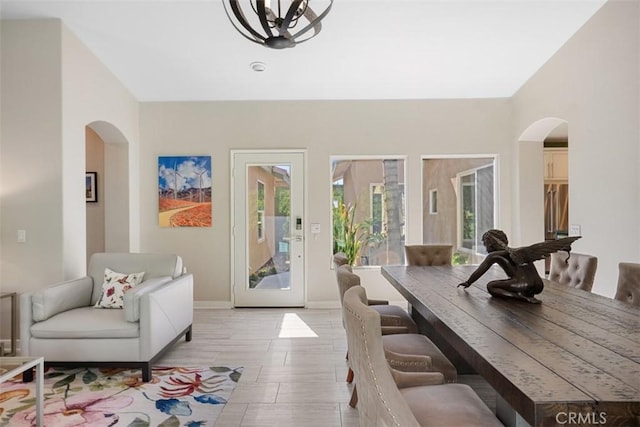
(276, 23)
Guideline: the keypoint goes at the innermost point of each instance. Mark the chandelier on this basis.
(277, 24)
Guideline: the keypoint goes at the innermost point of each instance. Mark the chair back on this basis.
(346, 279)
(153, 265)
(628, 283)
(574, 270)
(428, 254)
(339, 258)
(380, 403)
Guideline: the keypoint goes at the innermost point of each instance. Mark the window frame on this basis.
(260, 220)
(433, 201)
(474, 250)
(404, 184)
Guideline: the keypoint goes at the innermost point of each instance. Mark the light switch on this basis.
(315, 228)
(22, 236)
(574, 230)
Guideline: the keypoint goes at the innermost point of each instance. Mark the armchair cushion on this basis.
(114, 287)
(61, 297)
(86, 322)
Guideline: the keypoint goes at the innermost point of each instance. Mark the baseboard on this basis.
(207, 305)
(5, 345)
(323, 304)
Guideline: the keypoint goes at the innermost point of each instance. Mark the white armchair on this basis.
(61, 323)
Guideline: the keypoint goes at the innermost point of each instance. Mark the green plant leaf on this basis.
(139, 423)
(89, 377)
(172, 421)
(65, 381)
(235, 376)
(53, 374)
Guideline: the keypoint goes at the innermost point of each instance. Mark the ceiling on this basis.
(184, 50)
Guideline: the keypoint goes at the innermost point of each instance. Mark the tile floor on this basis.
(294, 365)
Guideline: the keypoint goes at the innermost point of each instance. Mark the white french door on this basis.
(268, 228)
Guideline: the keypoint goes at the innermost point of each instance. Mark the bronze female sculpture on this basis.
(524, 281)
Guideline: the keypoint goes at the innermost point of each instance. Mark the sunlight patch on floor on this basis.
(294, 327)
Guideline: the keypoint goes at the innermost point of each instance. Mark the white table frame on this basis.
(12, 366)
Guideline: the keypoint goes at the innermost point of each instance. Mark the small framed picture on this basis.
(91, 187)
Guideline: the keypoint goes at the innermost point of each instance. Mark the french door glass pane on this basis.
(268, 238)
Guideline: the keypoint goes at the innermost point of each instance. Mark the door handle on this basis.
(297, 238)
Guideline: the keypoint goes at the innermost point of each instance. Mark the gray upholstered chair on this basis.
(628, 283)
(391, 397)
(395, 320)
(574, 270)
(83, 323)
(340, 259)
(428, 254)
(403, 345)
(405, 351)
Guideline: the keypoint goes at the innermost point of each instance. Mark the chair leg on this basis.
(354, 397)
(350, 376)
(189, 334)
(146, 373)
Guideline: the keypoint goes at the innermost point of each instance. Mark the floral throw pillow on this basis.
(114, 286)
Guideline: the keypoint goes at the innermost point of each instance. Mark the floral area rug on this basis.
(190, 397)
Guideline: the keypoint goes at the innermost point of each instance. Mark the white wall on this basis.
(90, 93)
(52, 88)
(412, 128)
(95, 210)
(593, 83)
(31, 153)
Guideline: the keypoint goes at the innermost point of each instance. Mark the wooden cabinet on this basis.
(556, 164)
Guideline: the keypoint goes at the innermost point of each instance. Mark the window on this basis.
(458, 204)
(475, 207)
(433, 201)
(369, 209)
(260, 218)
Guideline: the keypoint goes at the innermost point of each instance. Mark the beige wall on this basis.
(95, 210)
(53, 87)
(31, 154)
(91, 94)
(593, 83)
(325, 129)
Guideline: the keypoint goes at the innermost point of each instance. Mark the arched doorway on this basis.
(531, 173)
(107, 154)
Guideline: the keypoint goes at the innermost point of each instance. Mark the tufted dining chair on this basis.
(390, 397)
(340, 259)
(394, 319)
(574, 270)
(628, 283)
(405, 348)
(428, 254)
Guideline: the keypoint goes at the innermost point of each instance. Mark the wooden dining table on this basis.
(573, 359)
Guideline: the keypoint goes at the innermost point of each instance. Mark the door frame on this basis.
(232, 220)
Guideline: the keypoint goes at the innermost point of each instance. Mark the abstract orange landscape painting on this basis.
(184, 191)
